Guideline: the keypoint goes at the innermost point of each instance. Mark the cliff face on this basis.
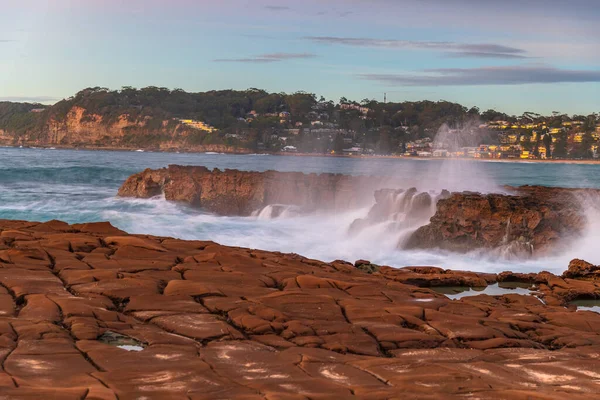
(82, 129)
(535, 219)
(75, 129)
(233, 192)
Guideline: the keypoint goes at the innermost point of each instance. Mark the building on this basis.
(197, 125)
(353, 151)
(362, 110)
(470, 151)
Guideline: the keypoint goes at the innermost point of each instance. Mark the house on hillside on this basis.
(197, 125)
(353, 151)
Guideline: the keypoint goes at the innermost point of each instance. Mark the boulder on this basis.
(532, 220)
(581, 269)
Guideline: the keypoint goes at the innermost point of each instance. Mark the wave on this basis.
(277, 211)
(325, 236)
(78, 186)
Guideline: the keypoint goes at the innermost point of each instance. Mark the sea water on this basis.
(81, 186)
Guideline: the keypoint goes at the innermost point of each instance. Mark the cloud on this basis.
(29, 99)
(277, 8)
(462, 49)
(269, 58)
(512, 75)
(481, 54)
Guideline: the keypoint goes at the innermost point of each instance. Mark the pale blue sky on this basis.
(515, 56)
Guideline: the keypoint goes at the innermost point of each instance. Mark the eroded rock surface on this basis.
(221, 322)
(535, 219)
(233, 192)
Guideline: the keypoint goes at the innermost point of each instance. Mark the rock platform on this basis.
(213, 322)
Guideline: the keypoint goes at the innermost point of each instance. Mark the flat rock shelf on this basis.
(215, 322)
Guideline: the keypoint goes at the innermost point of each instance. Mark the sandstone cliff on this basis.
(80, 128)
(233, 192)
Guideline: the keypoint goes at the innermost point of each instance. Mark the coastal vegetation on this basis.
(257, 120)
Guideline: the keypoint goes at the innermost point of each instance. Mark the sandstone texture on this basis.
(532, 220)
(233, 192)
(82, 129)
(206, 321)
(535, 219)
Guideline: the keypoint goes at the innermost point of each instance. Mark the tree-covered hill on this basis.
(255, 119)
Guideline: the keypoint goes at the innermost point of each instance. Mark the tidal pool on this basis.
(498, 289)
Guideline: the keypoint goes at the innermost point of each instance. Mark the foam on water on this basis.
(81, 186)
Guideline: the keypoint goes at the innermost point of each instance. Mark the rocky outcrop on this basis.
(88, 311)
(82, 129)
(534, 219)
(233, 192)
(582, 269)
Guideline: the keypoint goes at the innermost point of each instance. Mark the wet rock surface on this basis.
(218, 322)
(233, 192)
(533, 220)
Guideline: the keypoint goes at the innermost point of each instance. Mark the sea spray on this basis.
(80, 186)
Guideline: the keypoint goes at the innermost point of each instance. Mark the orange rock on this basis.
(219, 322)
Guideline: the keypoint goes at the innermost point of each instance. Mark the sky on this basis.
(512, 56)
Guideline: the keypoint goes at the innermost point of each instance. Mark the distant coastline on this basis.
(242, 151)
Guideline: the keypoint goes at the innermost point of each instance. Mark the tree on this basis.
(589, 124)
(338, 144)
(538, 142)
(548, 145)
(474, 112)
(300, 104)
(560, 146)
(268, 104)
(383, 145)
(584, 149)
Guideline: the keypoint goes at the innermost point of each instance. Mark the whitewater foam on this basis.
(80, 186)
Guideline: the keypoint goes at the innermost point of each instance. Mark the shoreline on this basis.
(361, 157)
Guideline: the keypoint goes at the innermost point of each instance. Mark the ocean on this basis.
(81, 186)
